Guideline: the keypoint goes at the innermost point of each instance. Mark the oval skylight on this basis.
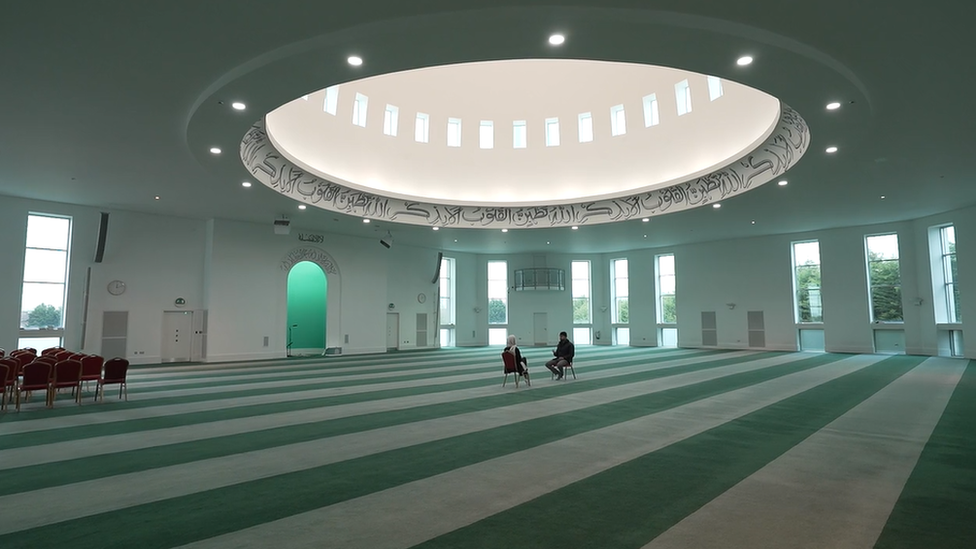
(449, 166)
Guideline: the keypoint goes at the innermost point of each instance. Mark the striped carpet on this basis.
(649, 448)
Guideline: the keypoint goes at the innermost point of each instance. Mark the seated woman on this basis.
(520, 361)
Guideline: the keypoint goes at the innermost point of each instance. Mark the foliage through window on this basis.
(884, 278)
(806, 281)
(581, 292)
(667, 309)
(497, 292)
(619, 290)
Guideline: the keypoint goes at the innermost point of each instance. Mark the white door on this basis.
(540, 329)
(177, 336)
(392, 331)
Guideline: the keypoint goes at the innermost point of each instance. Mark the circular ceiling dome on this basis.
(523, 132)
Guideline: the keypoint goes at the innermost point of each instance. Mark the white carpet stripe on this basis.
(270, 398)
(391, 518)
(836, 488)
(347, 375)
(73, 449)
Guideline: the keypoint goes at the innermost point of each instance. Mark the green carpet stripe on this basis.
(938, 504)
(78, 470)
(628, 505)
(135, 425)
(438, 383)
(198, 516)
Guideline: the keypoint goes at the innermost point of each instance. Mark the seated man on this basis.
(564, 355)
(521, 363)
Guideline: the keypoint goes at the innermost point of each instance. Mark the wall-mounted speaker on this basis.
(102, 235)
(282, 226)
(437, 268)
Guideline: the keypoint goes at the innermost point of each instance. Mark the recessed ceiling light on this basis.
(302, 206)
(753, 221)
(355, 61)
(744, 60)
(238, 106)
(831, 150)
(455, 240)
(646, 219)
(783, 183)
(214, 150)
(246, 184)
(155, 198)
(882, 197)
(557, 39)
(716, 206)
(365, 221)
(645, 236)
(504, 230)
(437, 228)
(575, 227)
(833, 106)
(547, 242)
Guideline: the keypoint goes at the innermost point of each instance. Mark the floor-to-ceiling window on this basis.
(497, 302)
(448, 305)
(619, 296)
(582, 304)
(667, 310)
(44, 294)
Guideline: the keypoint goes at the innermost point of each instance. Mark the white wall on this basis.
(233, 269)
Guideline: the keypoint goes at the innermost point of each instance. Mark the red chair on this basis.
(51, 351)
(2, 352)
(511, 368)
(49, 359)
(8, 378)
(91, 368)
(62, 355)
(115, 370)
(67, 373)
(24, 359)
(37, 377)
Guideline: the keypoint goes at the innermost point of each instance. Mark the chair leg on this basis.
(505, 380)
(124, 389)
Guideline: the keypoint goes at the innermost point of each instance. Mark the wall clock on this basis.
(421, 298)
(116, 287)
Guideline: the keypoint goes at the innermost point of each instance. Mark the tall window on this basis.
(950, 273)
(652, 116)
(552, 132)
(618, 120)
(519, 134)
(806, 281)
(619, 295)
(331, 100)
(448, 306)
(45, 280)
(884, 278)
(585, 127)
(497, 301)
(714, 88)
(359, 108)
(582, 305)
(391, 119)
(682, 94)
(453, 132)
(666, 305)
(486, 134)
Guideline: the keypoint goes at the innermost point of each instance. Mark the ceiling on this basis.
(111, 103)
(531, 92)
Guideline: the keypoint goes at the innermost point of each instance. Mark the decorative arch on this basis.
(328, 264)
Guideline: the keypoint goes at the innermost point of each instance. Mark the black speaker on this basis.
(102, 235)
(437, 268)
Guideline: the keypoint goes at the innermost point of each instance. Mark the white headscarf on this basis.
(511, 340)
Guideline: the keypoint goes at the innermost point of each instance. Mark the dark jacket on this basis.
(518, 356)
(565, 349)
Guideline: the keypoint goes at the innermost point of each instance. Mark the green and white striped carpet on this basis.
(649, 448)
